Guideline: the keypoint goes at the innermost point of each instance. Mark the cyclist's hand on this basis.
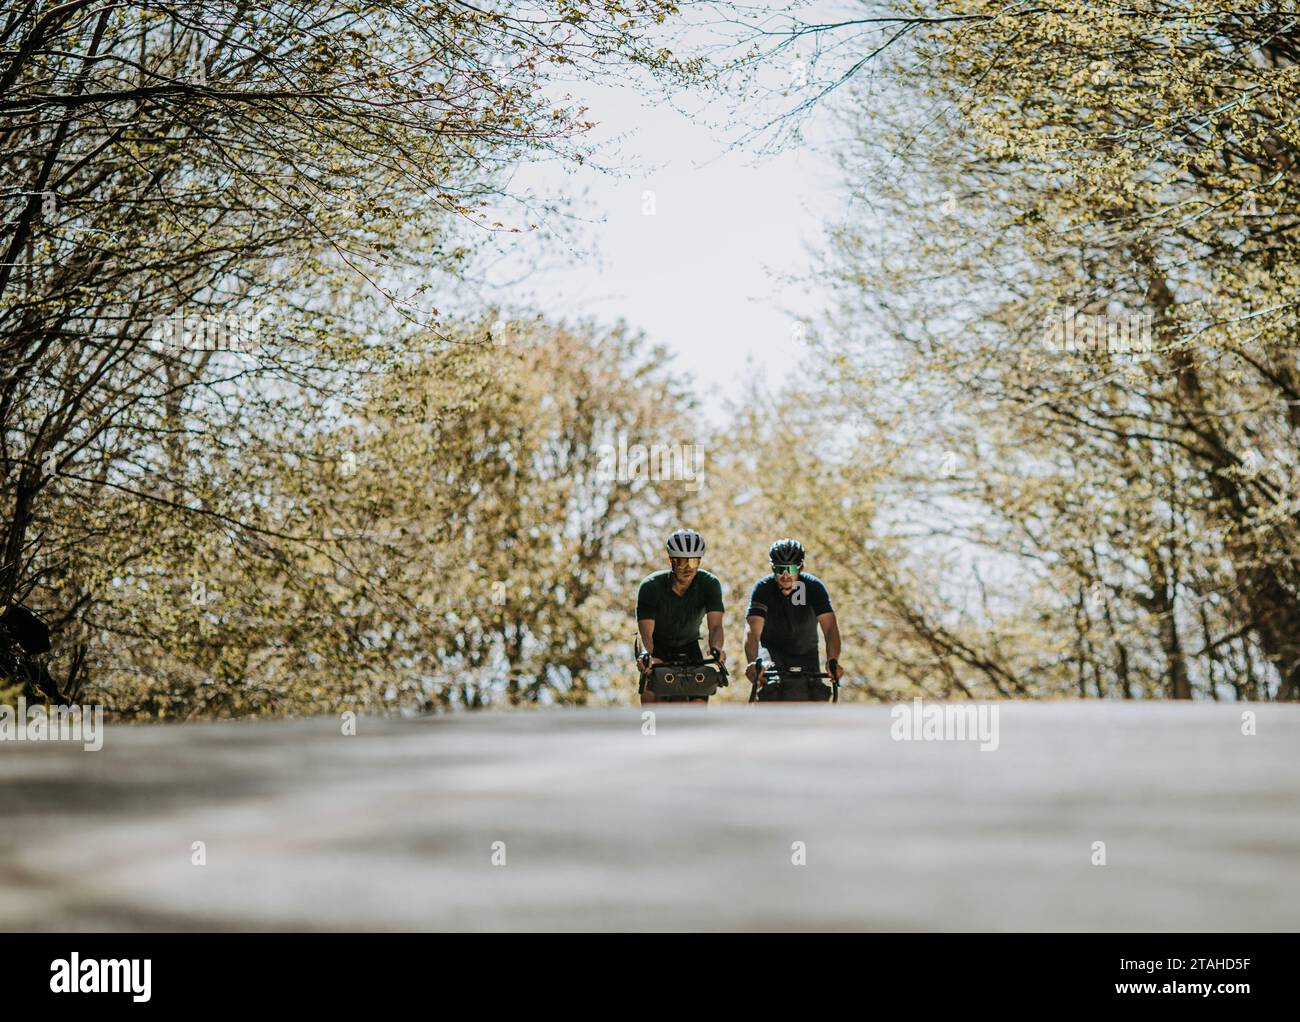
(752, 672)
(720, 654)
(834, 669)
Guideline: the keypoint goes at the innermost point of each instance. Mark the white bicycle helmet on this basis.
(685, 543)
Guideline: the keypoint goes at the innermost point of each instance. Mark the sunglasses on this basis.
(686, 562)
(787, 569)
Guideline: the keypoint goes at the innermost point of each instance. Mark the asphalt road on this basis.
(605, 827)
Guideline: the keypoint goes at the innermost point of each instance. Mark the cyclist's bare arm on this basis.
(753, 633)
(646, 626)
(830, 629)
(714, 620)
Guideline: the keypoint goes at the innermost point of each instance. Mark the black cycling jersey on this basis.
(790, 622)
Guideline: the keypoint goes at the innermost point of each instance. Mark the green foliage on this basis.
(448, 542)
(1084, 522)
(222, 223)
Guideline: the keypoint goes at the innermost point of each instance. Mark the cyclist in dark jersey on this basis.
(785, 610)
(670, 606)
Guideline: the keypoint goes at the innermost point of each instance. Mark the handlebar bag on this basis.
(684, 679)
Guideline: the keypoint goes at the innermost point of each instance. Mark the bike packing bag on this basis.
(684, 679)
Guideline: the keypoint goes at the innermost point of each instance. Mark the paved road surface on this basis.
(692, 827)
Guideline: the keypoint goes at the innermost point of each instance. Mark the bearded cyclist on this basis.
(670, 606)
(785, 610)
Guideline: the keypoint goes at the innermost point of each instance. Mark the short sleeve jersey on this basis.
(677, 618)
(790, 622)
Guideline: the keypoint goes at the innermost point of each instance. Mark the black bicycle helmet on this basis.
(685, 543)
(786, 551)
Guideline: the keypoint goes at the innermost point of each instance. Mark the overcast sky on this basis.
(700, 273)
